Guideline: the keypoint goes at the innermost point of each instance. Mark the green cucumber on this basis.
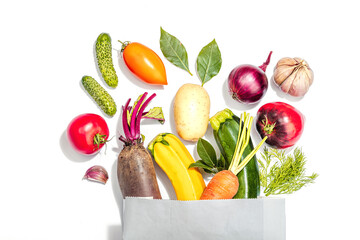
(226, 129)
(104, 60)
(100, 95)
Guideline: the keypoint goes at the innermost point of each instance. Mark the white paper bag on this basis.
(248, 219)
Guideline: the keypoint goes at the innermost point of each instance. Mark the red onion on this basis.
(248, 83)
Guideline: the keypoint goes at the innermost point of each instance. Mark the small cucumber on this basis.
(104, 60)
(100, 95)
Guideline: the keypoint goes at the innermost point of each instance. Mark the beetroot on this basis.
(135, 169)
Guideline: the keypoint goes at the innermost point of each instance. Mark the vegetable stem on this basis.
(249, 157)
(268, 128)
(266, 63)
(124, 44)
(99, 139)
(238, 141)
(134, 115)
(240, 146)
(122, 138)
(243, 140)
(247, 134)
(124, 120)
(219, 118)
(137, 123)
(131, 118)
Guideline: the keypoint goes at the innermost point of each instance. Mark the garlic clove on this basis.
(303, 80)
(97, 173)
(299, 86)
(281, 73)
(287, 84)
(307, 71)
(288, 62)
(284, 69)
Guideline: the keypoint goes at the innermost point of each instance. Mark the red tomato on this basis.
(281, 122)
(144, 63)
(88, 133)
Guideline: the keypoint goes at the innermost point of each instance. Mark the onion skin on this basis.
(247, 83)
(281, 123)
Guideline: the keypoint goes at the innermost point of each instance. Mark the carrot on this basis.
(225, 184)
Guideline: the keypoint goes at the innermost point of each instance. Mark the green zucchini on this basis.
(104, 60)
(100, 95)
(226, 129)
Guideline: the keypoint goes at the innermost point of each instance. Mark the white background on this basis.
(47, 46)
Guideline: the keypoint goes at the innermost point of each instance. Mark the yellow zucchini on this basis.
(174, 159)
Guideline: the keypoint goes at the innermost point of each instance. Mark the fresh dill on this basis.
(283, 174)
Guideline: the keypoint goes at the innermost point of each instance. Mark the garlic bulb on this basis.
(293, 76)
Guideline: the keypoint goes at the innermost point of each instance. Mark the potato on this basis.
(191, 111)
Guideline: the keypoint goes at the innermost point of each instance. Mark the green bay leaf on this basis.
(174, 50)
(206, 152)
(200, 164)
(208, 63)
(204, 166)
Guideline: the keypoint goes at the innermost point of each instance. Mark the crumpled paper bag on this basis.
(248, 219)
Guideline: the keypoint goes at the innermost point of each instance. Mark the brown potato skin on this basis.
(136, 173)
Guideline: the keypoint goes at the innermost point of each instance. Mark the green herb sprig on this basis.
(283, 174)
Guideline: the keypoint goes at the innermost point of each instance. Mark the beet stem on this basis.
(265, 64)
(121, 138)
(124, 120)
(138, 119)
(134, 115)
